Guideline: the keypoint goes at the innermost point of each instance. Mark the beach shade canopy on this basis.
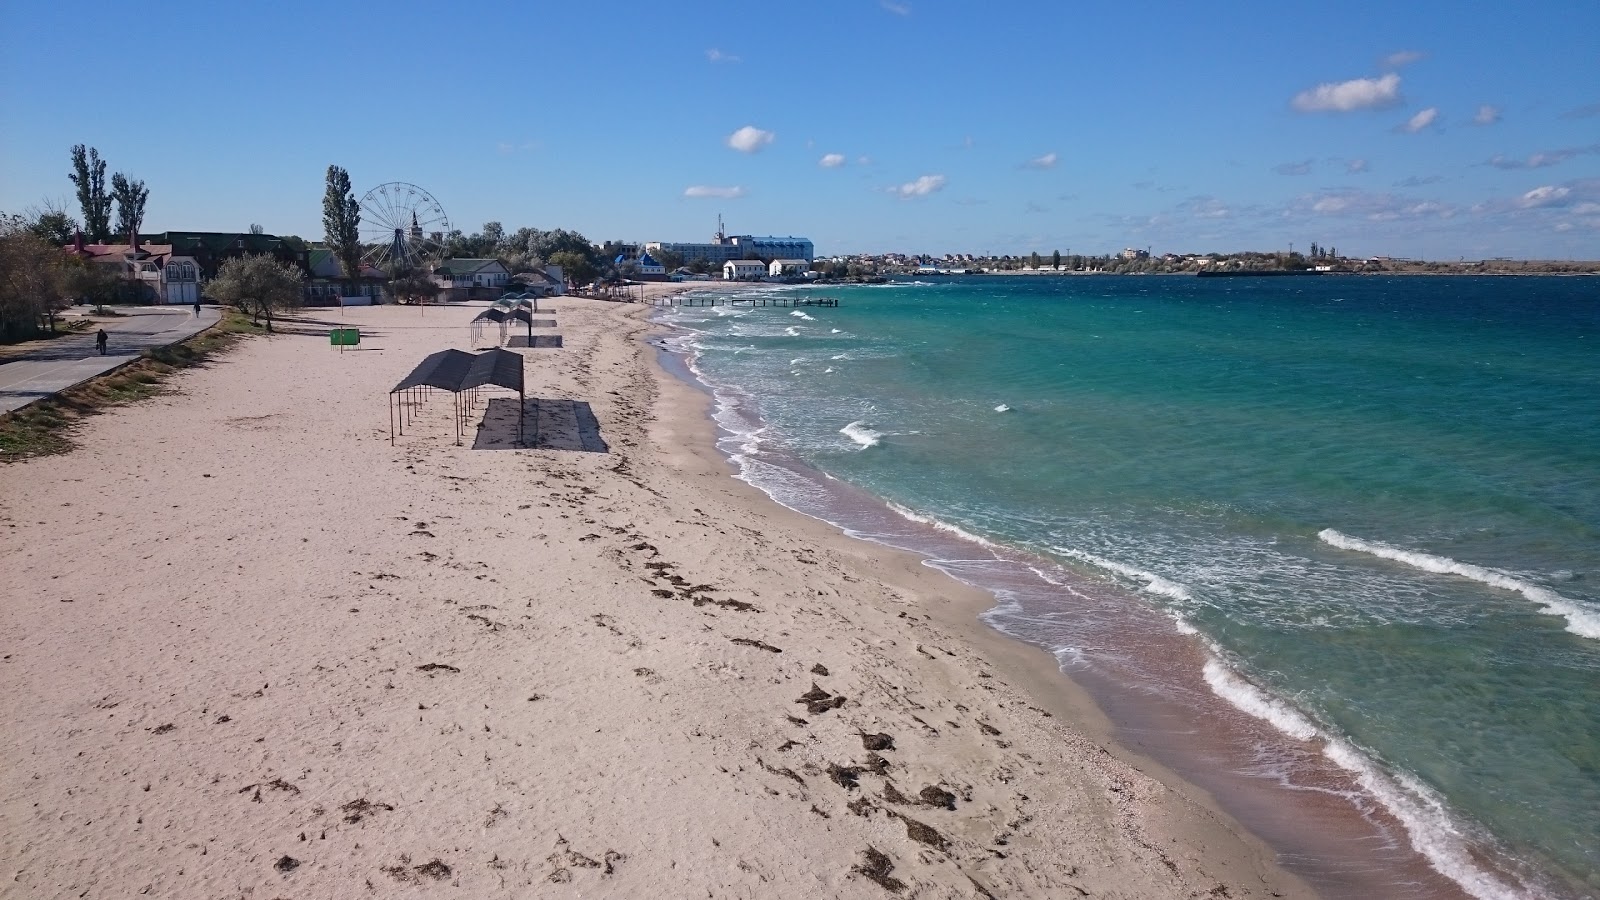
(445, 370)
(498, 367)
(462, 374)
(494, 314)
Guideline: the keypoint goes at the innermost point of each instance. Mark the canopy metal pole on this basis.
(390, 405)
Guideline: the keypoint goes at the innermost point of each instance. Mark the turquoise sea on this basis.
(1328, 547)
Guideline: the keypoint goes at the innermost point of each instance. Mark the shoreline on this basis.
(253, 648)
(1334, 827)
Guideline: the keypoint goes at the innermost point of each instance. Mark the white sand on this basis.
(214, 613)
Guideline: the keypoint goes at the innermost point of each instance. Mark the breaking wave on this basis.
(1581, 620)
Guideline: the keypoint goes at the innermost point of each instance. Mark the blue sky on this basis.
(1423, 129)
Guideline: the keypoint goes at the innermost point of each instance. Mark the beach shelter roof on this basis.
(460, 372)
(445, 370)
(498, 367)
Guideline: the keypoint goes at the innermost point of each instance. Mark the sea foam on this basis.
(801, 315)
(859, 432)
(1581, 620)
(956, 530)
(1153, 583)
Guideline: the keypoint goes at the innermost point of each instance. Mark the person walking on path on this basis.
(100, 339)
(197, 309)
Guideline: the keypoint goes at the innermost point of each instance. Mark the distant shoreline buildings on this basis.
(725, 248)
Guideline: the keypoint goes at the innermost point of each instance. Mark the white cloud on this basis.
(717, 56)
(1355, 166)
(749, 139)
(899, 9)
(1421, 120)
(831, 161)
(1402, 58)
(922, 187)
(1487, 115)
(1047, 161)
(706, 190)
(1548, 195)
(1294, 168)
(1347, 96)
(863, 160)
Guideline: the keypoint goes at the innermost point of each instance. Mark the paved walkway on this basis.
(62, 362)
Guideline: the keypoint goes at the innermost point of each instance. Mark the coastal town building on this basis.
(210, 249)
(779, 268)
(470, 279)
(327, 285)
(648, 267)
(549, 282)
(724, 247)
(743, 269)
(150, 273)
(621, 251)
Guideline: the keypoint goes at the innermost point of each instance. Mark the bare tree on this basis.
(31, 280)
(412, 286)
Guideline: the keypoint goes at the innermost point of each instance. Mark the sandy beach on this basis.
(250, 649)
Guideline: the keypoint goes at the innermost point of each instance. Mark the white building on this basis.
(743, 269)
(781, 267)
(725, 247)
(470, 273)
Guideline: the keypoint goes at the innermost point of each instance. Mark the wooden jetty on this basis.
(717, 300)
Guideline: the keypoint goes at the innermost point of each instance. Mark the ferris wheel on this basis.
(402, 226)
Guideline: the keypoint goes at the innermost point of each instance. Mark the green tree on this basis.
(258, 285)
(1055, 259)
(130, 197)
(669, 260)
(1033, 260)
(294, 243)
(89, 175)
(575, 266)
(52, 225)
(494, 235)
(341, 225)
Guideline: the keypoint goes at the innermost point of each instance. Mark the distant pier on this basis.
(718, 300)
